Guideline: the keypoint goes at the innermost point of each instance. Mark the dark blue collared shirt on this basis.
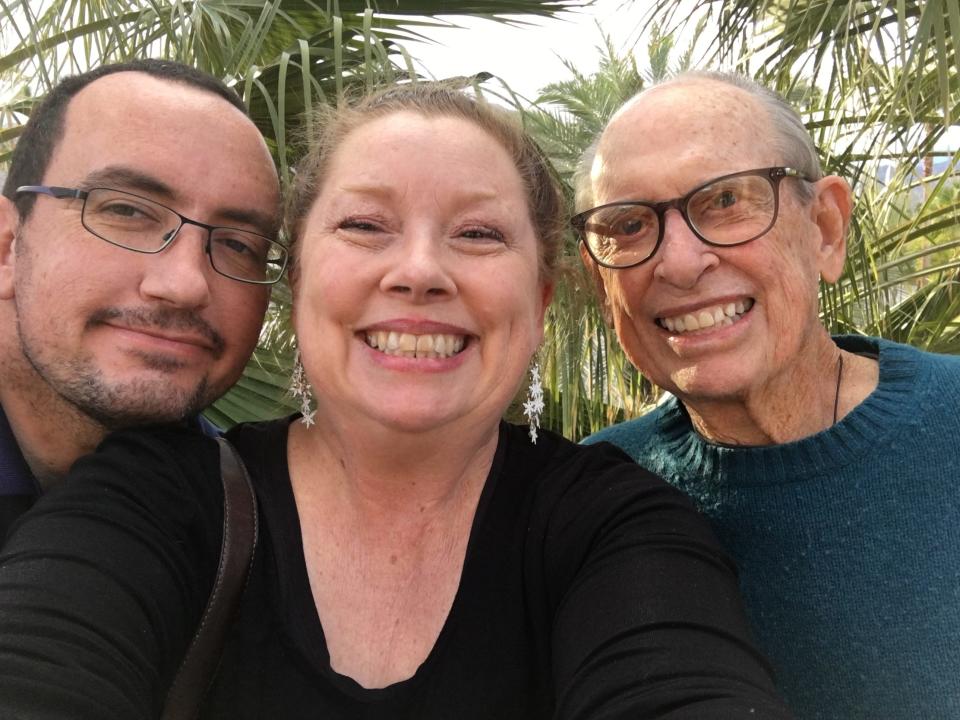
(18, 488)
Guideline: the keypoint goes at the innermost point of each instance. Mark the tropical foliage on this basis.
(591, 383)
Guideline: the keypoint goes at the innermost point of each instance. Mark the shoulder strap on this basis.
(236, 556)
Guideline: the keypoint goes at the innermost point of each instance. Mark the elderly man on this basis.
(827, 465)
(136, 251)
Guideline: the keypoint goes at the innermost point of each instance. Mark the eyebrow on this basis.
(125, 178)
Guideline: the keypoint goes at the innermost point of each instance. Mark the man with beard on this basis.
(137, 248)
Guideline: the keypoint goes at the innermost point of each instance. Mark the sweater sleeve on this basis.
(103, 581)
(649, 621)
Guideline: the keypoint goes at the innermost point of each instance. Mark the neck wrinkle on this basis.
(795, 404)
(703, 468)
(391, 473)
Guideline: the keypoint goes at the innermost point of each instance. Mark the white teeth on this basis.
(415, 346)
(718, 316)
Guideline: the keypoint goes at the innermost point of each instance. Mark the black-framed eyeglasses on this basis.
(729, 210)
(143, 225)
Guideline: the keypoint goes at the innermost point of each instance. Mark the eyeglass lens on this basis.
(140, 224)
(726, 212)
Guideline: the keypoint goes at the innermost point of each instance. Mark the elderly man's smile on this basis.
(720, 315)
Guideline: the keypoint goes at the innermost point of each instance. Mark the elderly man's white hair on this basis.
(790, 136)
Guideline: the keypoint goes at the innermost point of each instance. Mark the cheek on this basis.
(792, 283)
(248, 313)
(626, 292)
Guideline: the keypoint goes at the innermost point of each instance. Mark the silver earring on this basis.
(533, 407)
(301, 390)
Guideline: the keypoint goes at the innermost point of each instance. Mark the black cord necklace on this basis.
(836, 397)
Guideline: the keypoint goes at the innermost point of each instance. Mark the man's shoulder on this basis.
(890, 352)
(942, 362)
(633, 436)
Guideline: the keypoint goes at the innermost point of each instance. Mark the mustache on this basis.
(161, 319)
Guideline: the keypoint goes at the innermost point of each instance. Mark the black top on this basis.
(18, 488)
(590, 589)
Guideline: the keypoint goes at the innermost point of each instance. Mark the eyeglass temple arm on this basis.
(53, 191)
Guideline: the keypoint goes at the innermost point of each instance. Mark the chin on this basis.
(707, 384)
(416, 420)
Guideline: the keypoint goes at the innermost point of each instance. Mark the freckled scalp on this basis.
(720, 94)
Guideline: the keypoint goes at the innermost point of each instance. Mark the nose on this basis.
(683, 257)
(418, 269)
(180, 274)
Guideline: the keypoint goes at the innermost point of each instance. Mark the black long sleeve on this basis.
(103, 582)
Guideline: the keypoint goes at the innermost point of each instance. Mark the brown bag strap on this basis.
(236, 556)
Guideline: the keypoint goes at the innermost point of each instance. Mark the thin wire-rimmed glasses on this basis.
(729, 210)
(143, 225)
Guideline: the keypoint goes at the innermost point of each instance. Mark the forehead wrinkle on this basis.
(717, 128)
(388, 192)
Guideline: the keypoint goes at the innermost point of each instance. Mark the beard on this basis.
(114, 403)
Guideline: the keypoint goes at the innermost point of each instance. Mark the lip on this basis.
(164, 341)
(416, 326)
(675, 310)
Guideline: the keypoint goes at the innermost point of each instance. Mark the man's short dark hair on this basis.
(45, 126)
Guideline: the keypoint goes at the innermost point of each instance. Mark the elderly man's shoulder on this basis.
(897, 359)
(635, 436)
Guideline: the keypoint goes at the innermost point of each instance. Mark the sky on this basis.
(528, 58)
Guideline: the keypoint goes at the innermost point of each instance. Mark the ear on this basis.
(546, 297)
(832, 209)
(593, 270)
(9, 223)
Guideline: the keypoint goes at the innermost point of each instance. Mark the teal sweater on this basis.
(848, 541)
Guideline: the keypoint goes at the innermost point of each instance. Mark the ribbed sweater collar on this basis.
(884, 413)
